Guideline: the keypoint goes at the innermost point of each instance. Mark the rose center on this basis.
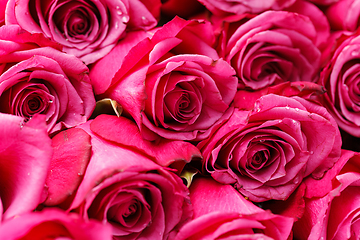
(258, 159)
(78, 24)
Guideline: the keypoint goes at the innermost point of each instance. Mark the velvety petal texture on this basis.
(220, 212)
(173, 88)
(164, 152)
(53, 223)
(25, 154)
(344, 15)
(87, 29)
(237, 7)
(124, 187)
(333, 212)
(341, 80)
(42, 80)
(266, 152)
(274, 47)
(72, 152)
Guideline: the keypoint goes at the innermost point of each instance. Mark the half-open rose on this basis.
(268, 151)
(273, 47)
(174, 85)
(124, 186)
(87, 29)
(42, 80)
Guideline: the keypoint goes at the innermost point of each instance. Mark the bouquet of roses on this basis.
(180, 119)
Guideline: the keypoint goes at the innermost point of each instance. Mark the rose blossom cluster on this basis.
(179, 119)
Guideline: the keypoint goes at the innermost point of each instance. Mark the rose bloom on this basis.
(237, 7)
(332, 205)
(53, 224)
(221, 212)
(87, 29)
(273, 47)
(25, 154)
(174, 85)
(344, 15)
(124, 186)
(266, 152)
(340, 78)
(36, 78)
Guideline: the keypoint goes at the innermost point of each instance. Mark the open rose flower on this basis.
(237, 7)
(273, 47)
(174, 85)
(332, 205)
(124, 186)
(267, 152)
(341, 79)
(25, 154)
(53, 224)
(220, 212)
(42, 80)
(87, 29)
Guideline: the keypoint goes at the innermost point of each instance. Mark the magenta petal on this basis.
(72, 151)
(25, 158)
(123, 131)
(52, 222)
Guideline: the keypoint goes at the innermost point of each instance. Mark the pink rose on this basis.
(344, 15)
(124, 186)
(174, 85)
(53, 224)
(237, 7)
(332, 204)
(71, 155)
(340, 79)
(267, 152)
(323, 2)
(25, 153)
(182, 8)
(2, 11)
(42, 80)
(87, 29)
(273, 47)
(220, 212)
